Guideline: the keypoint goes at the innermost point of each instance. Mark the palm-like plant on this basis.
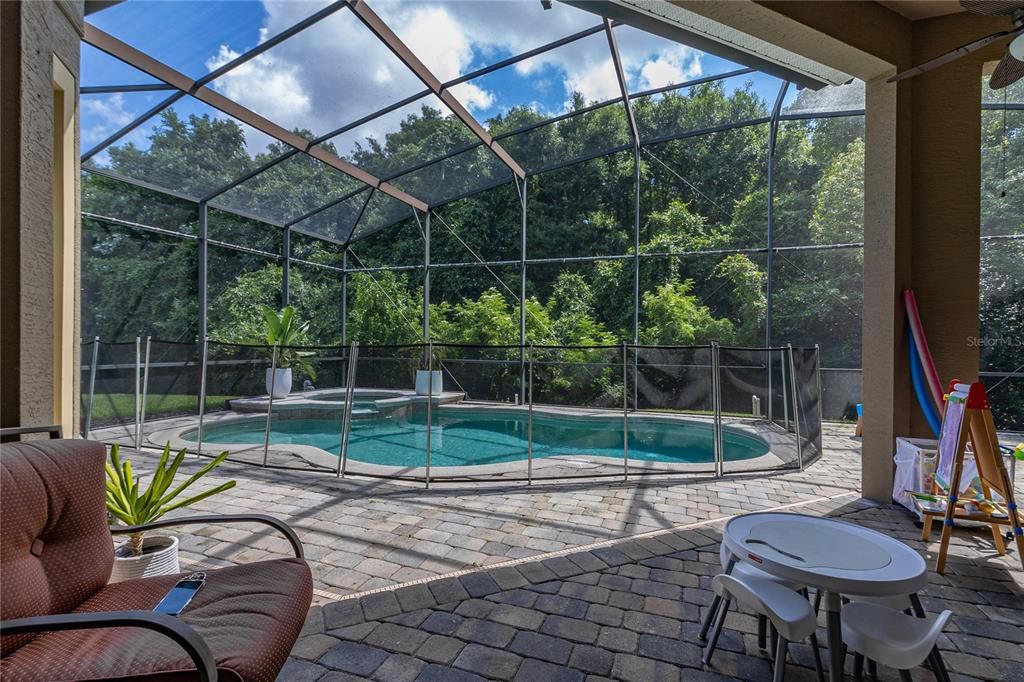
(133, 507)
(284, 330)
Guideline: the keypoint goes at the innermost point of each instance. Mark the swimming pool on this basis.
(475, 436)
(357, 404)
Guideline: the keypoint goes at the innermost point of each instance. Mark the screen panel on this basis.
(582, 135)
(289, 189)
(728, 101)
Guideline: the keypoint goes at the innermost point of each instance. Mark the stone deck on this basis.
(363, 534)
(586, 579)
(631, 611)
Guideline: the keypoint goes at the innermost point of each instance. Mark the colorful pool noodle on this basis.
(918, 339)
(917, 378)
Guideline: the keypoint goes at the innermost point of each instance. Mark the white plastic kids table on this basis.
(833, 556)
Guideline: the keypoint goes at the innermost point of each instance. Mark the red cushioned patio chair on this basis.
(62, 621)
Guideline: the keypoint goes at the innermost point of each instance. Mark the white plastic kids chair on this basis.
(790, 614)
(744, 571)
(890, 637)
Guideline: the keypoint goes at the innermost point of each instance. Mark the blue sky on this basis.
(336, 71)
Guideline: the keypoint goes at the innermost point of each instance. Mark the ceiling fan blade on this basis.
(992, 7)
(950, 56)
(1007, 72)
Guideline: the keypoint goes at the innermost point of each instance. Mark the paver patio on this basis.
(591, 579)
(361, 535)
(632, 611)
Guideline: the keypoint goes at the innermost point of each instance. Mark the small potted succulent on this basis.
(143, 556)
(285, 331)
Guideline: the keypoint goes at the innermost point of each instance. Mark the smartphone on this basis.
(175, 601)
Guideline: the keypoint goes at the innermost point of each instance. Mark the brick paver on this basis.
(532, 632)
(363, 535)
(627, 609)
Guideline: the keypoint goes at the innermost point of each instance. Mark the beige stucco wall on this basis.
(47, 30)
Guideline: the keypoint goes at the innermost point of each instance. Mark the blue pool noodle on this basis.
(923, 397)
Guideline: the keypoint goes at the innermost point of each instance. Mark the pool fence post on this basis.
(344, 417)
(430, 403)
(346, 411)
(716, 406)
(796, 407)
(270, 404)
(138, 385)
(769, 406)
(529, 419)
(140, 434)
(92, 386)
(817, 376)
(625, 412)
(785, 395)
(202, 396)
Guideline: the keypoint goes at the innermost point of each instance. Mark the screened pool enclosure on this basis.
(498, 188)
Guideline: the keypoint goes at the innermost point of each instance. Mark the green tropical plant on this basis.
(285, 331)
(135, 507)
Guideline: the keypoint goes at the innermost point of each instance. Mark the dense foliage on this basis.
(703, 233)
(703, 230)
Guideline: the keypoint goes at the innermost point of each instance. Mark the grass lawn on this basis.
(111, 406)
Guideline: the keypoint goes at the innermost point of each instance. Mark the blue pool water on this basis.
(357, 405)
(464, 437)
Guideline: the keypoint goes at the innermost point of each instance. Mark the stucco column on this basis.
(887, 271)
(946, 140)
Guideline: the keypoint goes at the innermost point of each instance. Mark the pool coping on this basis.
(767, 431)
(313, 400)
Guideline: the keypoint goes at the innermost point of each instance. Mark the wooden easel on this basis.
(968, 416)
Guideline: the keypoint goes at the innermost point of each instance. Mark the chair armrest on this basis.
(203, 519)
(168, 626)
(53, 429)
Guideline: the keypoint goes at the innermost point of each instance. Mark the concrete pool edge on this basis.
(316, 401)
(775, 439)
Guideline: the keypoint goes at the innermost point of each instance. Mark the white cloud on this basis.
(473, 97)
(103, 116)
(665, 71)
(265, 84)
(597, 83)
(336, 71)
(653, 62)
(437, 39)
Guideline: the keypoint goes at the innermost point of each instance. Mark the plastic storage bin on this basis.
(915, 466)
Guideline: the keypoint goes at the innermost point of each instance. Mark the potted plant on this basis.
(284, 330)
(143, 556)
(430, 381)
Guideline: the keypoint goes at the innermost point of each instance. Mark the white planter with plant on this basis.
(143, 556)
(279, 382)
(283, 330)
(427, 380)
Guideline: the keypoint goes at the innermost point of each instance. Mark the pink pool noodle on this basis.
(917, 331)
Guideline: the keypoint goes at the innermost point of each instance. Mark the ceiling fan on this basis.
(1010, 68)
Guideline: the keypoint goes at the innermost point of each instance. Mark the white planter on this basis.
(160, 557)
(280, 382)
(435, 385)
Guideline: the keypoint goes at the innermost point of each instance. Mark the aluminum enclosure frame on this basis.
(379, 28)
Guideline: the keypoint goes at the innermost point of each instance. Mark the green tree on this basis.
(235, 316)
(383, 310)
(676, 317)
(838, 216)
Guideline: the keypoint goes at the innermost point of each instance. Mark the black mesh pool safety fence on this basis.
(453, 412)
(807, 383)
(672, 387)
